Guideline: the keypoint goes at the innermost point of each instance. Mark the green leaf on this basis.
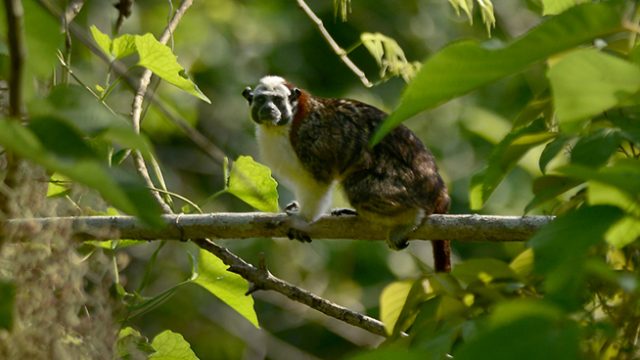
(161, 61)
(102, 40)
(485, 270)
(522, 264)
(623, 175)
(465, 66)
(123, 46)
(132, 344)
(7, 303)
(389, 56)
(587, 82)
(594, 150)
(43, 39)
(549, 187)
(392, 300)
(252, 183)
(561, 250)
(389, 353)
(553, 7)
(624, 232)
(540, 328)
(123, 190)
(171, 346)
(227, 286)
(551, 150)
(58, 185)
(503, 158)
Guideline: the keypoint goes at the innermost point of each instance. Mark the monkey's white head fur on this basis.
(273, 101)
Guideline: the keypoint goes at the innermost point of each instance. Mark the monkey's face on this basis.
(272, 102)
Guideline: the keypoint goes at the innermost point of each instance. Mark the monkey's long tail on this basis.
(442, 248)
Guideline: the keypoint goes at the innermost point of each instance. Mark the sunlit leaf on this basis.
(58, 185)
(624, 232)
(123, 46)
(227, 286)
(465, 66)
(392, 301)
(252, 183)
(169, 345)
(553, 7)
(522, 264)
(389, 56)
(103, 40)
(586, 82)
(161, 61)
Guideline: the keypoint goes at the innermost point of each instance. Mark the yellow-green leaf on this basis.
(392, 300)
(252, 183)
(227, 286)
(103, 40)
(171, 346)
(161, 61)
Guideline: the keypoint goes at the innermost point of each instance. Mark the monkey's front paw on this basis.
(293, 208)
(398, 238)
(343, 211)
(296, 234)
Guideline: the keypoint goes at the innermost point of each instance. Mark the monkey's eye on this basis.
(278, 101)
(259, 99)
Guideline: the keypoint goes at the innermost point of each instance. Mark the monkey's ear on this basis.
(295, 94)
(248, 94)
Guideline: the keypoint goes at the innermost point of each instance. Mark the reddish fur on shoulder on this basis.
(301, 112)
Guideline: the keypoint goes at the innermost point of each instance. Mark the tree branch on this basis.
(15, 38)
(251, 225)
(334, 45)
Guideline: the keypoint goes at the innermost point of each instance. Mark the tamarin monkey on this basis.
(312, 143)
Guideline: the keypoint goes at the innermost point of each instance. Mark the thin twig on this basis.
(70, 13)
(334, 45)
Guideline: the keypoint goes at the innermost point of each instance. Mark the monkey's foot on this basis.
(296, 234)
(343, 211)
(293, 208)
(398, 237)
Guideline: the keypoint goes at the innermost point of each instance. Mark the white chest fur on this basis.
(277, 153)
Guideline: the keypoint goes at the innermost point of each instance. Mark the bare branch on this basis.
(15, 38)
(334, 45)
(251, 225)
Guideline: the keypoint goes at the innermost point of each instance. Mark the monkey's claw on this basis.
(295, 234)
(343, 211)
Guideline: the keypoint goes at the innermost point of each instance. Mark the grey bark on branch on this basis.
(252, 225)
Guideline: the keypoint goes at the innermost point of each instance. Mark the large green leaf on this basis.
(123, 190)
(465, 66)
(252, 183)
(503, 158)
(171, 346)
(553, 7)
(227, 286)
(539, 328)
(561, 250)
(586, 82)
(160, 59)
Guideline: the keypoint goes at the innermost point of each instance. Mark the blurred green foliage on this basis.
(540, 117)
